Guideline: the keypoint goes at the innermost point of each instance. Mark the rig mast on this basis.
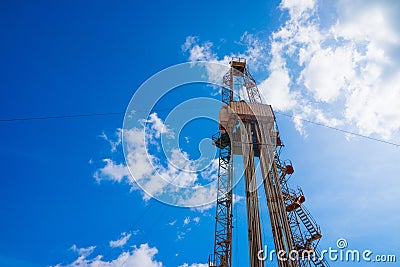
(248, 128)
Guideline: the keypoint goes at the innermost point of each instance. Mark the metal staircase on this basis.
(306, 232)
(313, 230)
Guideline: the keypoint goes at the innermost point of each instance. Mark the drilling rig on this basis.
(247, 127)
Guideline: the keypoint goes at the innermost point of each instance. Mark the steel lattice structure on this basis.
(248, 128)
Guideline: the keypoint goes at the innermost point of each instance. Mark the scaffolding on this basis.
(248, 128)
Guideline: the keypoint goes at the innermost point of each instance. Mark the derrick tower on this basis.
(247, 127)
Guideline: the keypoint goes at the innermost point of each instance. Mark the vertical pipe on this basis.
(279, 221)
(253, 212)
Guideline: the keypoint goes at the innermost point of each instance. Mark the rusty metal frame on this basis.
(292, 225)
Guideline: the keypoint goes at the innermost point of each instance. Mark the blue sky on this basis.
(66, 196)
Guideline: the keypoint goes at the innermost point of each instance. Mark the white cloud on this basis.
(113, 143)
(84, 252)
(297, 8)
(314, 114)
(369, 21)
(187, 139)
(346, 74)
(142, 256)
(154, 177)
(138, 159)
(198, 52)
(211, 173)
(122, 241)
(328, 72)
(157, 126)
(180, 170)
(189, 43)
(181, 234)
(145, 167)
(341, 72)
(237, 198)
(201, 195)
(186, 227)
(256, 53)
(111, 171)
(374, 92)
(194, 265)
(186, 221)
(203, 52)
(172, 223)
(276, 88)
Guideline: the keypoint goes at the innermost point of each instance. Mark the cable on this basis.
(340, 130)
(166, 109)
(62, 116)
(82, 115)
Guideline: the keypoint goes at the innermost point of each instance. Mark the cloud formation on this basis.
(142, 256)
(120, 242)
(146, 171)
(194, 265)
(340, 71)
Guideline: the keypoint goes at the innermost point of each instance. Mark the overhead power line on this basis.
(166, 109)
(337, 129)
(79, 115)
(62, 116)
